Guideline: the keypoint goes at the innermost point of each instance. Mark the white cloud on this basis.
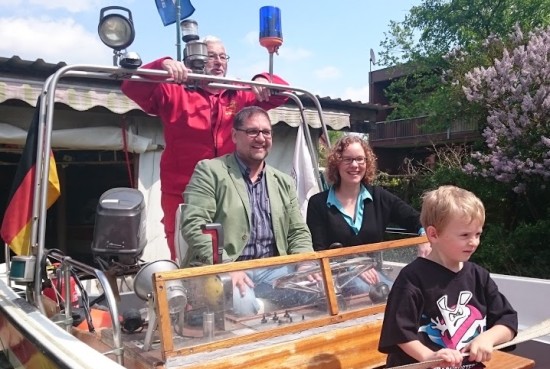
(285, 52)
(328, 72)
(51, 40)
(357, 94)
(293, 54)
(10, 3)
(68, 5)
(246, 71)
(251, 38)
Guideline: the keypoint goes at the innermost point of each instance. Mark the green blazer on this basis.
(217, 193)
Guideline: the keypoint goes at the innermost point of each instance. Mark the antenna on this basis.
(372, 58)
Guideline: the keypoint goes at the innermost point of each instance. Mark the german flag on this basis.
(16, 225)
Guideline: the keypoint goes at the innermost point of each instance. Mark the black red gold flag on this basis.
(16, 224)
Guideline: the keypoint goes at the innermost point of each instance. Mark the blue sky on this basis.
(325, 49)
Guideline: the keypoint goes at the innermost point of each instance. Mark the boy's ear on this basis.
(431, 232)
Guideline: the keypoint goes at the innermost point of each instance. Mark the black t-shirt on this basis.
(441, 308)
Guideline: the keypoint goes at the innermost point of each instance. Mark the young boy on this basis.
(443, 305)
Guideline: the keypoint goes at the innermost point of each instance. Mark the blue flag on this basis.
(167, 10)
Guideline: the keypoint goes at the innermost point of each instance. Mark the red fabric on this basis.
(197, 125)
(170, 203)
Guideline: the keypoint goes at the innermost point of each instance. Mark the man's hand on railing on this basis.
(262, 93)
(176, 69)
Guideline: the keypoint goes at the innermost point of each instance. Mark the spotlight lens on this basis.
(177, 297)
(116, 31)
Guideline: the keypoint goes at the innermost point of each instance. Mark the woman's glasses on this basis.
(358, 159)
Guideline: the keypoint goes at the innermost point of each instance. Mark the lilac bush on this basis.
(515, 91)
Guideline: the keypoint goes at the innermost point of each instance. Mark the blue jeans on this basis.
(359, 286)
(263, 282)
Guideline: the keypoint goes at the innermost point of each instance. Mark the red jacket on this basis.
(197, 124)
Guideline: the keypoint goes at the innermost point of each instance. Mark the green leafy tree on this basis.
(434, 29)
(513, 242)
(438, 43)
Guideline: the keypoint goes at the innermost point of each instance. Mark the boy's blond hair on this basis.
(446, 202)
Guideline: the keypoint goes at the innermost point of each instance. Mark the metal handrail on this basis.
(47, 103)
(307, 135)
(102, 72)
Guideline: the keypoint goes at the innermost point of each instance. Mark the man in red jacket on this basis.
(197, 121)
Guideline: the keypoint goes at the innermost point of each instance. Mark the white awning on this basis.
(78, 97)
(81, 97)
(86, 138)
(291, 116)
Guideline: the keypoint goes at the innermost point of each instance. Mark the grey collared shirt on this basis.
(261, 243)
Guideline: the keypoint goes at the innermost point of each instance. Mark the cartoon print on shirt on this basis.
(458, 324)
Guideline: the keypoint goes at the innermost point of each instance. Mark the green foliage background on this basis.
(437, 43)
(513, 241)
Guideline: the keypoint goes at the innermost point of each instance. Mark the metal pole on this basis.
(178, 29)
(270, 67)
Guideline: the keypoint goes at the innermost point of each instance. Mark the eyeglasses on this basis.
(253, 132)
(222, 57)
(359, 160)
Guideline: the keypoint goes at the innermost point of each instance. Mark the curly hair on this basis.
(335, 158)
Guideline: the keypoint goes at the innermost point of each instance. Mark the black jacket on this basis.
(327, 225)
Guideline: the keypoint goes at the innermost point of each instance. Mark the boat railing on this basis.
(47, 101)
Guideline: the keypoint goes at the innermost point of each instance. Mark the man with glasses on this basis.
(196, 120)
(256, 205)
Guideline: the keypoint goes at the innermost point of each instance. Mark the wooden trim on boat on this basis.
(323, 258)
(351, 347)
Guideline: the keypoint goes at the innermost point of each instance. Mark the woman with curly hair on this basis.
(353, 211)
